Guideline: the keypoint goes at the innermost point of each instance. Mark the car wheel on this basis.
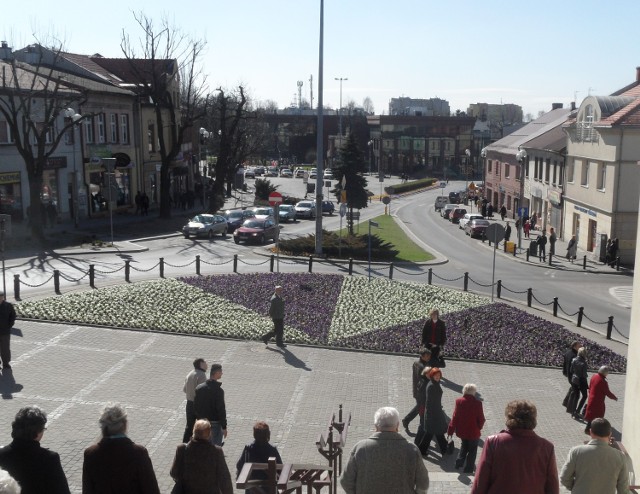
(210, 235)
(236, 240)
(263, 239)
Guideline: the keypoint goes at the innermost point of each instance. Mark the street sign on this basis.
(495, 232)
(275, 198)
(443, 185)
(386, 200)
(354, 216)
(343, 210)
(524, 212)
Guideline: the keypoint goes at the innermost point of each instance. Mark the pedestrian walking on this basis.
(490, 210)
(578, 384)
(276, 312)
(507, 232)
(435, 420)
(552, 241)
(569, 355)
(527, 228)
(467, 422)
(503, 212)
(572, 248)
(598, 391)
(194, 379)
(209, 404)
(613, 252)
(542, 246)
(419, 382)
(533, 221)
(7, 320)
(145, 204)
(434, 335)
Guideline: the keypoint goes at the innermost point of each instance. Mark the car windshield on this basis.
(305, 204)
(263, 211)
(253, 224)
(201, 219)
(285, 208)
(234, 215)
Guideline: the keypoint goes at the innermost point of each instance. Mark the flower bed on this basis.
(332, 310)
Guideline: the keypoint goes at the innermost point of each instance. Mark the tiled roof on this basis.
(136, 70)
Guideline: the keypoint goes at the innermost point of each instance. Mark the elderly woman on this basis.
(598, 391)
(579, 384)
(517, 460)
(8, 484)
(435, 420)
(116, 463)
(466, 422)
(199, 467)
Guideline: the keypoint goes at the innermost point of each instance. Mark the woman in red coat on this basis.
(598, 390)
(466, 422)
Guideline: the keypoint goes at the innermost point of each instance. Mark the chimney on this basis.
(637, 74)
(5, 51)
(556, 106)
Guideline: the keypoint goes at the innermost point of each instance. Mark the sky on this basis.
(530, 54)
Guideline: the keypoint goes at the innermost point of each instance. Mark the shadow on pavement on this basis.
(8, 385)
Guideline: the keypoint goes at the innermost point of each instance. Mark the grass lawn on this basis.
(389, 231)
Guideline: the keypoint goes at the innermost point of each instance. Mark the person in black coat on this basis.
(259, 451)
(434, 334)
(209, 404)
(435, 421)
(7, 320)
(542, 246)
(569, 355)
(419, 383)
(37, 469)
(579, 384)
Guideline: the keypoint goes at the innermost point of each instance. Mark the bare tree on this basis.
(367, 106)
(33, 100)
(178, 92)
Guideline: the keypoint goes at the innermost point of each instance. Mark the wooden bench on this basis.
(331, 445)
(287, 478)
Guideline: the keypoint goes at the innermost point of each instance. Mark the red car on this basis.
(255, 230)
(476, 228)
(457, 214)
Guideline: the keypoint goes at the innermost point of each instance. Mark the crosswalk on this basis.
(624, 294)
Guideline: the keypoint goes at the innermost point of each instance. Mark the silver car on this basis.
(286, 212)
(205, 225)
(306, 209)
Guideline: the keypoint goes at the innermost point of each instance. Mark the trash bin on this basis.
(533, 248)
(511, 246)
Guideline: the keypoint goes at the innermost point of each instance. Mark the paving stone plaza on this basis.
(72, 371)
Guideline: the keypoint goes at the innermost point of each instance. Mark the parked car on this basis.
(313, 173)
(328, 207)
(263, 212)
(236, 217)
(456, 214)
(255, 230)
(286, 173)
(444, 212)
(327, 175)
(454, 197)
(441, 201)
(249, 173)
(205, 225)
(468, 217)
(286, 212)
(259, 170)
(299, 173)
(476, 227)
(272, 171)
(306, 209)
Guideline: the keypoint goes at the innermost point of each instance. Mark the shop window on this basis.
(114, 127)
(10, 198)
(124, 129)
(120, 181)
(571, 170)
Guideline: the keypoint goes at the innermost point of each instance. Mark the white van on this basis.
(441, 201)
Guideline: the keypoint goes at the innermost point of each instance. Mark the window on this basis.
(602, 176)
(507, 170)
(489, 165)
(124, 129)
(88, 130)
(114, 127)
(571, 169)
(5, 133)
(584, 177)
(152, 137)
(526, 171)
(555, 172)
(101, 128)
(584, 129)
(547, 172)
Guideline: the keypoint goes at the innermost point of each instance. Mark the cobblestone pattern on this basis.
(73, 371)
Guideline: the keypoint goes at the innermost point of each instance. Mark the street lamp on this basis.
(110, 165)
(521, 156)
(204, 135)
(340, 109)
(483, 155)
(370, 144)
(75, 118)
(466, 169)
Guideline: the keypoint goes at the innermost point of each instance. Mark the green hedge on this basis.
(409, 186)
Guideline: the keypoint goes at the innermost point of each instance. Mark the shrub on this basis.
(356, 246)
(409, 186)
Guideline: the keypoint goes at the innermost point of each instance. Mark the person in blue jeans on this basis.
(209, 404)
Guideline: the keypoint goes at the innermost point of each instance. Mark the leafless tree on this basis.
(33, 100)
(178, 93)
(367, 106)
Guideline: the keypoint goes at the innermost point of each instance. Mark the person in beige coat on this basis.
(596, 466)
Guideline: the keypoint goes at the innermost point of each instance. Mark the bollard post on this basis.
(550, 257)
(350, 266)
(609, 327)
(466, 281)
(580, 314)
(529, 296)
(311, 264)
(391, 271)
(555, 306)
(515, 249)
(92, 276)
(198, 264)
(618, 263)
(271, 262)
(162, 267)
(430, 274)
(127, 270)
(584, 262)
(56, 280)
(499, 288)
(528, 255)
(505, 246)
(235, 263)
(489, 242)
(16, 286)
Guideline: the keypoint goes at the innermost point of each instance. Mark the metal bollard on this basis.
(92, 276)
(350, 266)
(311, 264)
(529, 296)
(127, 270)
(235, 263)
(271, 262)
(515, 249)
(198, 264)
(584, 262)
(499, 288)
(609, 327)
(550, 257)
(16, 286)
(528, 253)
(162, 267)
(56, 280)
(466, 281)
(430, 274)
(618, 263)
(555, 306)
(580, 314)
(391, 271)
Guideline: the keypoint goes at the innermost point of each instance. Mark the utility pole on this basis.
(340, 109)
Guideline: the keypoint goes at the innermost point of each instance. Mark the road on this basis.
(601, 294)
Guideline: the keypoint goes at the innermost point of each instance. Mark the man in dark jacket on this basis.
(434, 334)
(36, 468)
(419, 382)
(276, 312)
(569, 355)
(209, 404)
(542, 246)
(7, 320)
(116, 463)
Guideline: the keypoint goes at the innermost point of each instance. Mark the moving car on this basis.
(236, 217)
(476, 227)
(286, 212)
(205, 225)
(299, 173)
(468, 217)
(328, 207)
(263, 212)
(444, 212)
(255, 230)
(306, 209)
(441, 201)
(286, 173)
(456, 214)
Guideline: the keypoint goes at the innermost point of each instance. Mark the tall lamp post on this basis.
(466, 169)
(110, 166)
(370, 144)
(340, 109)
(204, 135)
(483, 155)
(521, 156)
(75, 118)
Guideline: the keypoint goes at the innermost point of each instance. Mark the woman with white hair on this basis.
(598, 391)
(8, 485)
(467, 422)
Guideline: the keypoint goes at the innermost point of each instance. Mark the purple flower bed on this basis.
(309, 299)
(495, 332)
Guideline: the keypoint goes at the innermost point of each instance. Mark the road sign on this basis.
(343, 209)
(443, 185)
(386, 200)
(275, 198)
(495, 232)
